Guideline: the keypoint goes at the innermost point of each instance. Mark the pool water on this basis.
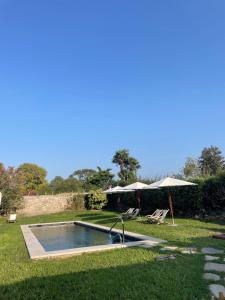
(69, 236)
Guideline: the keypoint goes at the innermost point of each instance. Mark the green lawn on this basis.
(130, 273)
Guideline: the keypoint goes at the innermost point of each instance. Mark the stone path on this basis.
(215, 289)
(212, 264)
(214, 267)
(209, 268)
(187, 250)
(165, 257)
(210, 257)
(212, 251)
(211, 276)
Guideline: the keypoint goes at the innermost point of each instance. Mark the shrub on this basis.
(213, 192)
(12, 197)
(77, 201)
(96, 199)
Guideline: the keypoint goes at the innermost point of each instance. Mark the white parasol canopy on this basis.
(117, 189)
(167, 183)
(135, 186)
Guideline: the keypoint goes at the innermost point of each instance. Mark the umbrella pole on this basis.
(139, 199)
(118, 201)
(171, 208)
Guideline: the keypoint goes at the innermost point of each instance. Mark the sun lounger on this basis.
(128, 212)
(159, 217)
(131, 214)
(156, 214)
(11, 218)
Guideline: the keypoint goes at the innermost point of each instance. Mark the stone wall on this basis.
(45, 204)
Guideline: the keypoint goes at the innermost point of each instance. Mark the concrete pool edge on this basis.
(36, 251)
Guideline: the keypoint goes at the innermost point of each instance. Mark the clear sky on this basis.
(81, 79)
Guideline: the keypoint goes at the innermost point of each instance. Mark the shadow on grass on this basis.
(172, 280)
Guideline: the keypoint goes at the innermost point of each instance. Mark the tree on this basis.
(10, 187)
(101, 178)
(191, 168)
(32, 177)
(121, 158)
(56, 184)
(128, 166)
(61, 185)
(83, 174)
(211, 161)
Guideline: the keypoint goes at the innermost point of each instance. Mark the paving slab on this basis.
(169, 248)
(166, 257)
(216, 289)
(211, 250)
(214, 267)
(189, 251)
(211, 258)
(211, 276)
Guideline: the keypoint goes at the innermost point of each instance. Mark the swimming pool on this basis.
(69, 236)
(76, 237)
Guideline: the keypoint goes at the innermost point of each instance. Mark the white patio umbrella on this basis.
(117, 190)
(137, 187)
(167, 183)
(112, 190)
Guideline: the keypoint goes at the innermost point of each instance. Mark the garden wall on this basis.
(45, 204)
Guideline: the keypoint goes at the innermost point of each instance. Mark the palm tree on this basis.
(128, 165)
(121, 158)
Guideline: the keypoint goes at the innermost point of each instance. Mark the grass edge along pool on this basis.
(36, 250)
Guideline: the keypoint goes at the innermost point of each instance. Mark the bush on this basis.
(213, 192)
(77, 201)
(96, 199)
(12, 197)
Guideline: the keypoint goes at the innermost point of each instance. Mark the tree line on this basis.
(30, 179)
(211, 162)
(90, 179)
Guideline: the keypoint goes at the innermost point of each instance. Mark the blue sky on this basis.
(81, 79)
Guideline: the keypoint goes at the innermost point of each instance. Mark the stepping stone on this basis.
(212, 251)
(214, 267)
(169, 248)
(211, 276)
(216, 289)
(166, 257)
(189, 251)
(210, 258)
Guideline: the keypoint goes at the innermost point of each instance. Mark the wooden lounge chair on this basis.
(156, 214)
(11, 218)
(128, 212)
(131, 214)
(159, 217)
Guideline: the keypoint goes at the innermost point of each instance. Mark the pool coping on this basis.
(36, 251)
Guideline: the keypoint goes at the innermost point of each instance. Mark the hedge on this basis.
(208, 195)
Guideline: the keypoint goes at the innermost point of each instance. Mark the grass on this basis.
(130, 273)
